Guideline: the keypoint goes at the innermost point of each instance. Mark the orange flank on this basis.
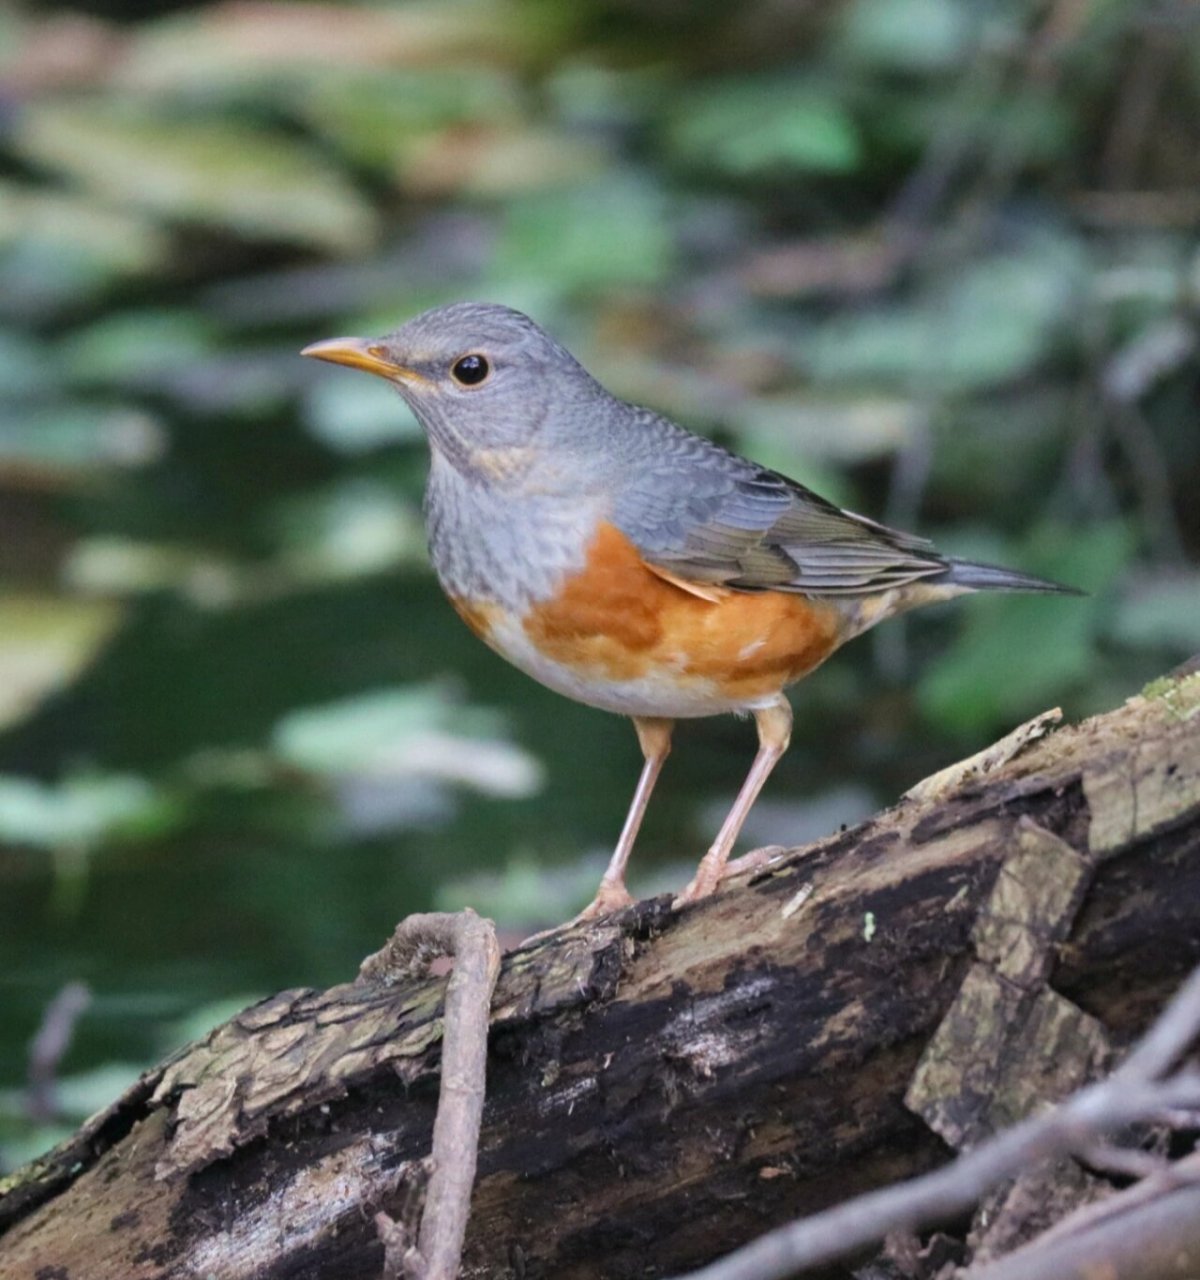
(620, 618)
(479, 615)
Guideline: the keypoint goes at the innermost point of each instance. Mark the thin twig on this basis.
(1122, 1162)
(48, 1047)
(1167, 1040)
(1139, 96)
(436, 1252)
(1163, 1180)
(1133, 1093)
(1159, 1240)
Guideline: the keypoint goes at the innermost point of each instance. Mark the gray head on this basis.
(482, 379)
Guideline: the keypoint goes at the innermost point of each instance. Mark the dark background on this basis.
(937, 259)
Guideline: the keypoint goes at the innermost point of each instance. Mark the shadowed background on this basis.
(936, 259)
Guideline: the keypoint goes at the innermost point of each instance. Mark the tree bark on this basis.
(664, 1086)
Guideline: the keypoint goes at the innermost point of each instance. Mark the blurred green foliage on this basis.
(937, 259)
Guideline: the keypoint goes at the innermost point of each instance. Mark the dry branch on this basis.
(1135, 1092)
(435, 1253)
(665, 1087)
(1159, 1240)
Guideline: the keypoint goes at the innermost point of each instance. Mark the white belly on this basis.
(661, 692)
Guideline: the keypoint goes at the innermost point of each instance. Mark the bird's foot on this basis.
(755, 860)
(612, 896)
(713, 871)
(703, 884)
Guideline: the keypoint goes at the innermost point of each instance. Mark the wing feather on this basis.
(702, 514)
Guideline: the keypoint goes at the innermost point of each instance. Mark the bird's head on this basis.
(482, 379)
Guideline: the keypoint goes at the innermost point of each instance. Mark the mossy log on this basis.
(664, 1086)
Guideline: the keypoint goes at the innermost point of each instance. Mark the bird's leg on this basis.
(655, 736)
(774, 733)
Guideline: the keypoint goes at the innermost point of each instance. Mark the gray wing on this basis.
(704, 514)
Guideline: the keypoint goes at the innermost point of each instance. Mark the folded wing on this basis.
(706, 515)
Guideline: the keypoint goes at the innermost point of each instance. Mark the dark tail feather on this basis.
(990, 577)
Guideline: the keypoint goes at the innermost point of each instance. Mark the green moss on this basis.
(1181, 694)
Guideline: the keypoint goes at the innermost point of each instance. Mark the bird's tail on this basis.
(972, 576)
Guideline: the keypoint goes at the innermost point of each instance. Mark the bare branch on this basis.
(472, 942)
(1168, 1039)
(1122, 1162)
(1133, 1093)
(48, 1047)
(1159, 1240)
(1168, 1178)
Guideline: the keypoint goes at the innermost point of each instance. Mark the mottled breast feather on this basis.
(497, 545)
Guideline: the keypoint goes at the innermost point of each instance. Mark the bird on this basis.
(628, 563)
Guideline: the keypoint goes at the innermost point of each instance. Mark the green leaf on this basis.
(110, 565)
(31, 1140)
(524, 890)
(356, 526)
(418, 731)
(198, 1022)
(979, 327)
(378, 117)
(27, 368)
(1018, 654)
(81, 812)
(354, 415)
(66, 442)
(1034, 128)
(759, 125)
(907, 35)
(122, 347)
(588, 237)
(262, 50)
(45, 642)
(439, 129)
(499, 162)
(1161, 612)
(848, 430)
(86, 1092)
(260, 184)
(56, 248)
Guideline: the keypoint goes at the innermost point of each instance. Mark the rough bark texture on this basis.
(663, 1087)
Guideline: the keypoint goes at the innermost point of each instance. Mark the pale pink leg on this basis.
(774, 734)
(655, 737)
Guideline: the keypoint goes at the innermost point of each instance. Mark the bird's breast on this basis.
(502, 546)
(614, 633)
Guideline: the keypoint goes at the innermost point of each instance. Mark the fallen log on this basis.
(662, 1086)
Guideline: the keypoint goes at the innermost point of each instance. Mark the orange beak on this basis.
(360, 353)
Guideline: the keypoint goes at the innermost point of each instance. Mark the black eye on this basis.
(470, 370)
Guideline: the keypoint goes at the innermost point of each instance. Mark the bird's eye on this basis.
(470, 370)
